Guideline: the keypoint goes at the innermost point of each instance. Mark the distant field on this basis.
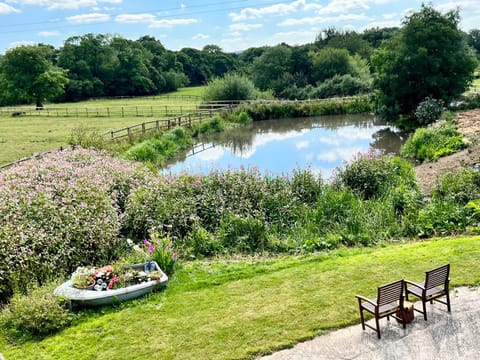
(25, 135)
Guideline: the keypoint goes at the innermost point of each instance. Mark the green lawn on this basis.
(25, 135)
(241, 308)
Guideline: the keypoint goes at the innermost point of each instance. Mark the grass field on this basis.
(25, 135)
(238, 309)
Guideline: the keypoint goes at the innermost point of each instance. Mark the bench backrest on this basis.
(437, 277)
(390, 293)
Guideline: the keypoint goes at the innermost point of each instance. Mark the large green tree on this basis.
(28, 74)
(427, 57)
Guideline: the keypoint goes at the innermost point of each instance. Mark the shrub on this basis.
(162, 251)
(60, 212)
(433, 142)
(429, 110)
(243, 234)
(372, 174)
(36, 314)
(86, 138)
(230, 87)
(159, 148)
(460, 186)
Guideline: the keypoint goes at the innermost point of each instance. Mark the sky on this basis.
(233, 25)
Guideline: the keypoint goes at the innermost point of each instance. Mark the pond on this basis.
(277, 147)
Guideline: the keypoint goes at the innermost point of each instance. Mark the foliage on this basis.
(45, 205)
(460, 186)
(372, 175)
(86, 137)
(34, 315)
(266, 111)
(427, 57)
(29, 75)
(268, 68)
(161, 249)
(428, 111)
(432, 143)
(230, 87)
(337, 86)
(161, 147)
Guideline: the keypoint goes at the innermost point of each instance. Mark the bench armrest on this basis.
(360, 297)
(414, 284)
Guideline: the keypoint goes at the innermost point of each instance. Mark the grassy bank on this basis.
(25, 135)
(241, 308)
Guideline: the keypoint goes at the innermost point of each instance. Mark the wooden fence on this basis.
(166, 124)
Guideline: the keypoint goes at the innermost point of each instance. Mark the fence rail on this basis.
(166, 124)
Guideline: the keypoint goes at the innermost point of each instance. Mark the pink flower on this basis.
(145, 241)
(174, 256)
(150, 249)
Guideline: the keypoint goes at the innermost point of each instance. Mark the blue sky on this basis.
(233, 25)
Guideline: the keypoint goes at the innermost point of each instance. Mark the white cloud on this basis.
(244, 27)
(20, 43)
(294, 37)
(88, 18)
(200, 36)
(135, 18)
(302, 144)
(345, 6)
(152, 20)
(324, 19)
(64, 4)
(277, 10)
(7, 9)
(48, 33)
(168, 23)
(329, 156)
(390, 16)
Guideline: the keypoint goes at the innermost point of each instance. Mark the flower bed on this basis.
(106, 278)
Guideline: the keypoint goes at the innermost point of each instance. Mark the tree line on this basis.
(337, 63)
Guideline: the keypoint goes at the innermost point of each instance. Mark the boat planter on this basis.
(104, 295)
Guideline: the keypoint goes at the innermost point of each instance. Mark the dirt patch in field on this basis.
(468, 124)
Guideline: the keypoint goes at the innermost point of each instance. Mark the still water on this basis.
(277, 147)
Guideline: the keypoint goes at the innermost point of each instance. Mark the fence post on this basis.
(86, 112)
(108, 111)
(143, 128)
(111, 133)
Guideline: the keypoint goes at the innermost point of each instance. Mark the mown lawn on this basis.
(25, 135)
(238, 309)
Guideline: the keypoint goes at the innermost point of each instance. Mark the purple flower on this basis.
(174, 256)
(150, 249)
(145, 241)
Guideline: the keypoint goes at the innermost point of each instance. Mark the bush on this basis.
(37, 314)
(433, 142)
(230, 87)
(429, 111)
(372, 175)
(160, 148)
(59, 212)
(460, 186)
(162, 251)
(243, 234)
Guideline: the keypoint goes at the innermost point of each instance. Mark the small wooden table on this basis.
(407, 313)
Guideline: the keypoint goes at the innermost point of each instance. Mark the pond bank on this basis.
(468, 124)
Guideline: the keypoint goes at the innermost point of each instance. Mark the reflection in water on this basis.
(278, 146)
